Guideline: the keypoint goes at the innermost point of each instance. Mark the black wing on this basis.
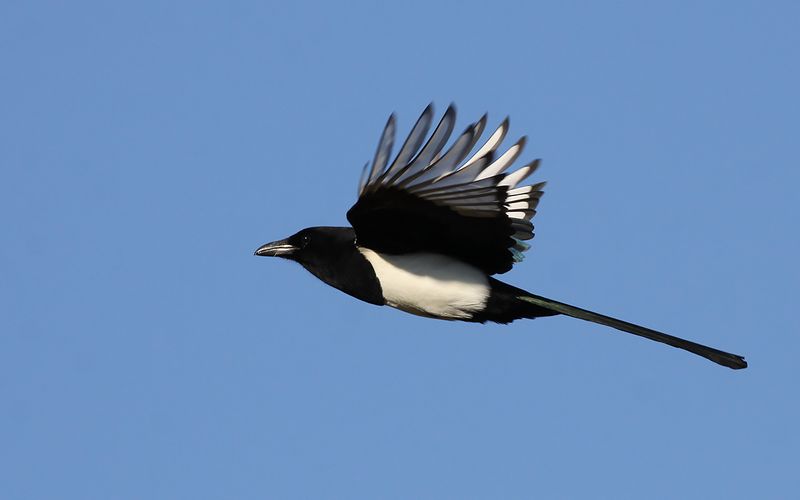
(428, 200)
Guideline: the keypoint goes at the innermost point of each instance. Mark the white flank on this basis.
(430, 284)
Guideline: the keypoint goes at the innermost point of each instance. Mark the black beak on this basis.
(281, 248)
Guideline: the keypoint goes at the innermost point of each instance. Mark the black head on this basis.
(330, 254)
(310, 243)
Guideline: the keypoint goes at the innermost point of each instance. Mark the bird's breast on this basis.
(430, 284)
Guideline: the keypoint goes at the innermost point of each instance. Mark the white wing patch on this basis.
(474, 187)
(430, 284)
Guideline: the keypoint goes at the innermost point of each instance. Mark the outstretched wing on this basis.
(434, 200)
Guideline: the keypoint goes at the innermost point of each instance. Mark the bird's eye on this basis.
(306, 239)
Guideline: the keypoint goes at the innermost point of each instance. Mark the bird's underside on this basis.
(431, 227)
(436, 286)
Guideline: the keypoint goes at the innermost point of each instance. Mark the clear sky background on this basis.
(148, 148)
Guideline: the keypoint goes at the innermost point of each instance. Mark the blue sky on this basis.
(149, 148)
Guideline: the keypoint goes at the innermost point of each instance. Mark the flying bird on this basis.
(432, 226)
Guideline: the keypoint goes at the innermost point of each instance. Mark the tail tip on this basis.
(734, 362)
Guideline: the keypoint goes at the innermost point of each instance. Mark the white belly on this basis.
(430, 284)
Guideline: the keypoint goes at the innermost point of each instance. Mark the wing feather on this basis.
(491, 144)
(431, 149)
(412, 144)
(505, 160)
(432, 199)
(384, 150)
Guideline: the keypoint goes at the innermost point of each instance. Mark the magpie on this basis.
(431, 228)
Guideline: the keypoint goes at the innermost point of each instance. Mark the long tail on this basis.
(720, 357)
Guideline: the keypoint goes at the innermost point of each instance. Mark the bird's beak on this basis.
(281, 248)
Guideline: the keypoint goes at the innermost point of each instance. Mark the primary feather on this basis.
(427, 200)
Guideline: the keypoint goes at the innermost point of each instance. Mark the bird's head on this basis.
(309, 243)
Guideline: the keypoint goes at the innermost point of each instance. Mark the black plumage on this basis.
(430, 229)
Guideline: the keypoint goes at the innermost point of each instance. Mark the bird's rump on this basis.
(427, 200)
